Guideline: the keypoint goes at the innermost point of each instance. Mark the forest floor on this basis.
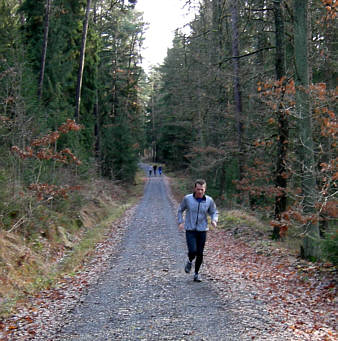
(134, 287)
(244, 264)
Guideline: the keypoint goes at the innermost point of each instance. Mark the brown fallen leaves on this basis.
(298, 295)
(40, 316)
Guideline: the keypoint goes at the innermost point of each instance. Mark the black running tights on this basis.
(195, 242)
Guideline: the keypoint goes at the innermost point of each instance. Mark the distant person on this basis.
(160, 170)
(197, 206)
(150, 170)
(154, 167)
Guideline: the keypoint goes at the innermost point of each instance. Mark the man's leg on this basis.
(201, 238)
(191, 243)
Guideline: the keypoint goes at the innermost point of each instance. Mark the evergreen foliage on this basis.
(237, 124)
(109, 96)
(240, 133)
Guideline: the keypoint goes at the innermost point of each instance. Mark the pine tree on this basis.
(306, 149)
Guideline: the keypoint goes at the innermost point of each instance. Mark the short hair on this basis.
(201, 182)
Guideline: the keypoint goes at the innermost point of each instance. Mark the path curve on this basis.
(145, 294)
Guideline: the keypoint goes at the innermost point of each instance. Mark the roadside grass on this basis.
(248, 228)
(230, 219)
(180, 185)
(85, 247)
(58, 240)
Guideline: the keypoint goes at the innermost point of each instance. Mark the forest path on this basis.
(145, 294)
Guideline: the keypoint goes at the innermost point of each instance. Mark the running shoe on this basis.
(188, 266)
(197, 278)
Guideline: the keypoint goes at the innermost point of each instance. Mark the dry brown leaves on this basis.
(298, 295)
(39, 317)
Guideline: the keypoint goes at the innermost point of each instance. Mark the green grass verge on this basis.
(84, 249)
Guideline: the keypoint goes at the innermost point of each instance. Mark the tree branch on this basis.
(248, 54)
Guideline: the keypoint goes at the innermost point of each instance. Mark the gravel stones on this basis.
(135, 288)
(146, 295)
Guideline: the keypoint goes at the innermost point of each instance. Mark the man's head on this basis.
(200, 187)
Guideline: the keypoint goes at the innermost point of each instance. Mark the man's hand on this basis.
(181, 227)
(214, 224)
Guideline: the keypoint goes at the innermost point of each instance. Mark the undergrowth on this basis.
(54, 240)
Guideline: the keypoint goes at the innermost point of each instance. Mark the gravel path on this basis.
(134, 288)
(145, 294)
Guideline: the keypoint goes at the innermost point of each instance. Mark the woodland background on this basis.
(246, 100)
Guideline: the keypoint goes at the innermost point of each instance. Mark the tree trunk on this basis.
(222, 189)
(306, 153)
(153, 133)
(44, 49)
(283, 122)
(236, 80)
(259, 65)
(97, 146)
(81, 64)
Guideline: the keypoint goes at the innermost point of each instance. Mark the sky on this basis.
(163, 16)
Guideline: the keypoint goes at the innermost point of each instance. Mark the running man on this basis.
(197, 206)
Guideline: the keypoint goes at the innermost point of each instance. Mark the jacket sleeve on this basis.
(180, 211)
(213, 211)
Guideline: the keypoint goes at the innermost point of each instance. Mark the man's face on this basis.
(199, 190)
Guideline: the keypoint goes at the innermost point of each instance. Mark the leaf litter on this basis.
(299, 297)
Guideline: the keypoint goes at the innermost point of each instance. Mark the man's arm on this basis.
(213, 213)
(180, 211)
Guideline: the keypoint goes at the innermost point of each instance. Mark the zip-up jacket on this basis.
(196, 217)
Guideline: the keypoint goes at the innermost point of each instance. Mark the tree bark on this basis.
(81, 64)
(306, 153)
(236, 81)
(97, 145)
(283, 122)
(153, 119)
(44, 48)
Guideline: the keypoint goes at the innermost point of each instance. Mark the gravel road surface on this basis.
(134, 288)
(145, 294)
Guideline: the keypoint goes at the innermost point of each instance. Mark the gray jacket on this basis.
(196, 212)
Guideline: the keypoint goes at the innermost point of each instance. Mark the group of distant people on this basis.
(154, 169)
